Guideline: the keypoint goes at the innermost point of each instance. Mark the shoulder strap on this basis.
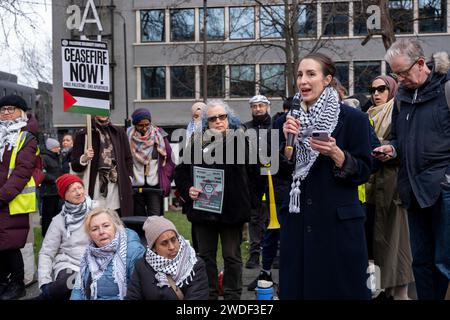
(174, 287)
(447, 93)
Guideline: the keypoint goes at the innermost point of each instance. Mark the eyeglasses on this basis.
(380, 89)
(7, 109)
(405, 73)
(221, 117)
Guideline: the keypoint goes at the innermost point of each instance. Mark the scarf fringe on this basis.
(294, 204)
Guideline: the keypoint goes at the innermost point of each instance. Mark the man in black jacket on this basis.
(421, 139)
(260, 107)
(47, 191)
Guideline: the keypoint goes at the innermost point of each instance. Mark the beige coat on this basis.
(391, 247)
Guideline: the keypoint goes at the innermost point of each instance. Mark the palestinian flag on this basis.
(95, 103)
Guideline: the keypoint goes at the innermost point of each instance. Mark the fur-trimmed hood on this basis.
(441, 62)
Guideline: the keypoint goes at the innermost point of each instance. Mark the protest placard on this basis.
(85, 66)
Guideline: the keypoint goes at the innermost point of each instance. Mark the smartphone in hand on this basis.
(380, 153)
(320, 135)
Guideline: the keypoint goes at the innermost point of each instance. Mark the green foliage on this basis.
(37, 242)
(184, 227)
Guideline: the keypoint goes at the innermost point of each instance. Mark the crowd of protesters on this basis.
(358, 183)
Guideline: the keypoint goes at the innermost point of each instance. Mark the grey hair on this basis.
(410, 48)
(233, 119)
(112, 214)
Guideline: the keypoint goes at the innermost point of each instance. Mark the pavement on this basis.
(248, 275)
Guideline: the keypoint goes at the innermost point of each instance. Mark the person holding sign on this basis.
(111, 165)
(215, 189)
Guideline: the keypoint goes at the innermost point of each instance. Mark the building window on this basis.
(215, 24)
(432, 15)
(364, 73)
(216, 81)
(242, 81)
(360, 16)
(273, 80)
(182, 26)
(271, 21)
(307, 20)
(401, 13)
(153, 83)
(182, 82)
(152, 26)
(335, 19)
(242, 23)
(342, 73)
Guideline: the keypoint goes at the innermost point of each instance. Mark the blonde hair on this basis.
(112, 214)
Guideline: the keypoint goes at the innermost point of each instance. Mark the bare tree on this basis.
(283, 24)
(386, 29)
(20, 48)
(36, 66)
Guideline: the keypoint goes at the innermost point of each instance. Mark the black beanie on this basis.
(14, 100)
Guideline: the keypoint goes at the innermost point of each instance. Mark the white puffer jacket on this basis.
(59, 252)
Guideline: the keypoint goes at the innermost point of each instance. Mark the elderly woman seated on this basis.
(170, 269)
(65, 241)
(109, 259)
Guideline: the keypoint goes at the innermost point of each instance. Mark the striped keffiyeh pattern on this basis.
(323, 115)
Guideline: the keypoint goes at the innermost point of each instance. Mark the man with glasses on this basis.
(421, 139)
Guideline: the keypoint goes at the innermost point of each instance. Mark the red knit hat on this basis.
(63, 183)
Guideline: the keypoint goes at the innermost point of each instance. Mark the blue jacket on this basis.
(421, 137)
(107, 289)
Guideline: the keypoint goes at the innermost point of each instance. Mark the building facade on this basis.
(157, 49)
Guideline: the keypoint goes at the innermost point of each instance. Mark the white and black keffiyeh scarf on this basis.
(323, 115)
(9, 131)
(73, 214)
(97, 260)
(181, 268)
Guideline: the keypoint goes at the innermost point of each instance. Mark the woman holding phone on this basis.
(391, 248)
(323, 252)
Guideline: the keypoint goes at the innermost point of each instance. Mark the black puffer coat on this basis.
(53, 169)
(143, 284)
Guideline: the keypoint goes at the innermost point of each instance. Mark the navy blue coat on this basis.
(421, 137)
(323, 252)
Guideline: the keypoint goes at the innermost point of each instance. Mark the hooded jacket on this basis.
(14, 229)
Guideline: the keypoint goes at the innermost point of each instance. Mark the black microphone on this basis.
(295, 112)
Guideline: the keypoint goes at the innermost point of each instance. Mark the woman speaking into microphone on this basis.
(323, 251)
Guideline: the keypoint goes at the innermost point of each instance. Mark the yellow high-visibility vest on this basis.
(362, 193)
(25, 201)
